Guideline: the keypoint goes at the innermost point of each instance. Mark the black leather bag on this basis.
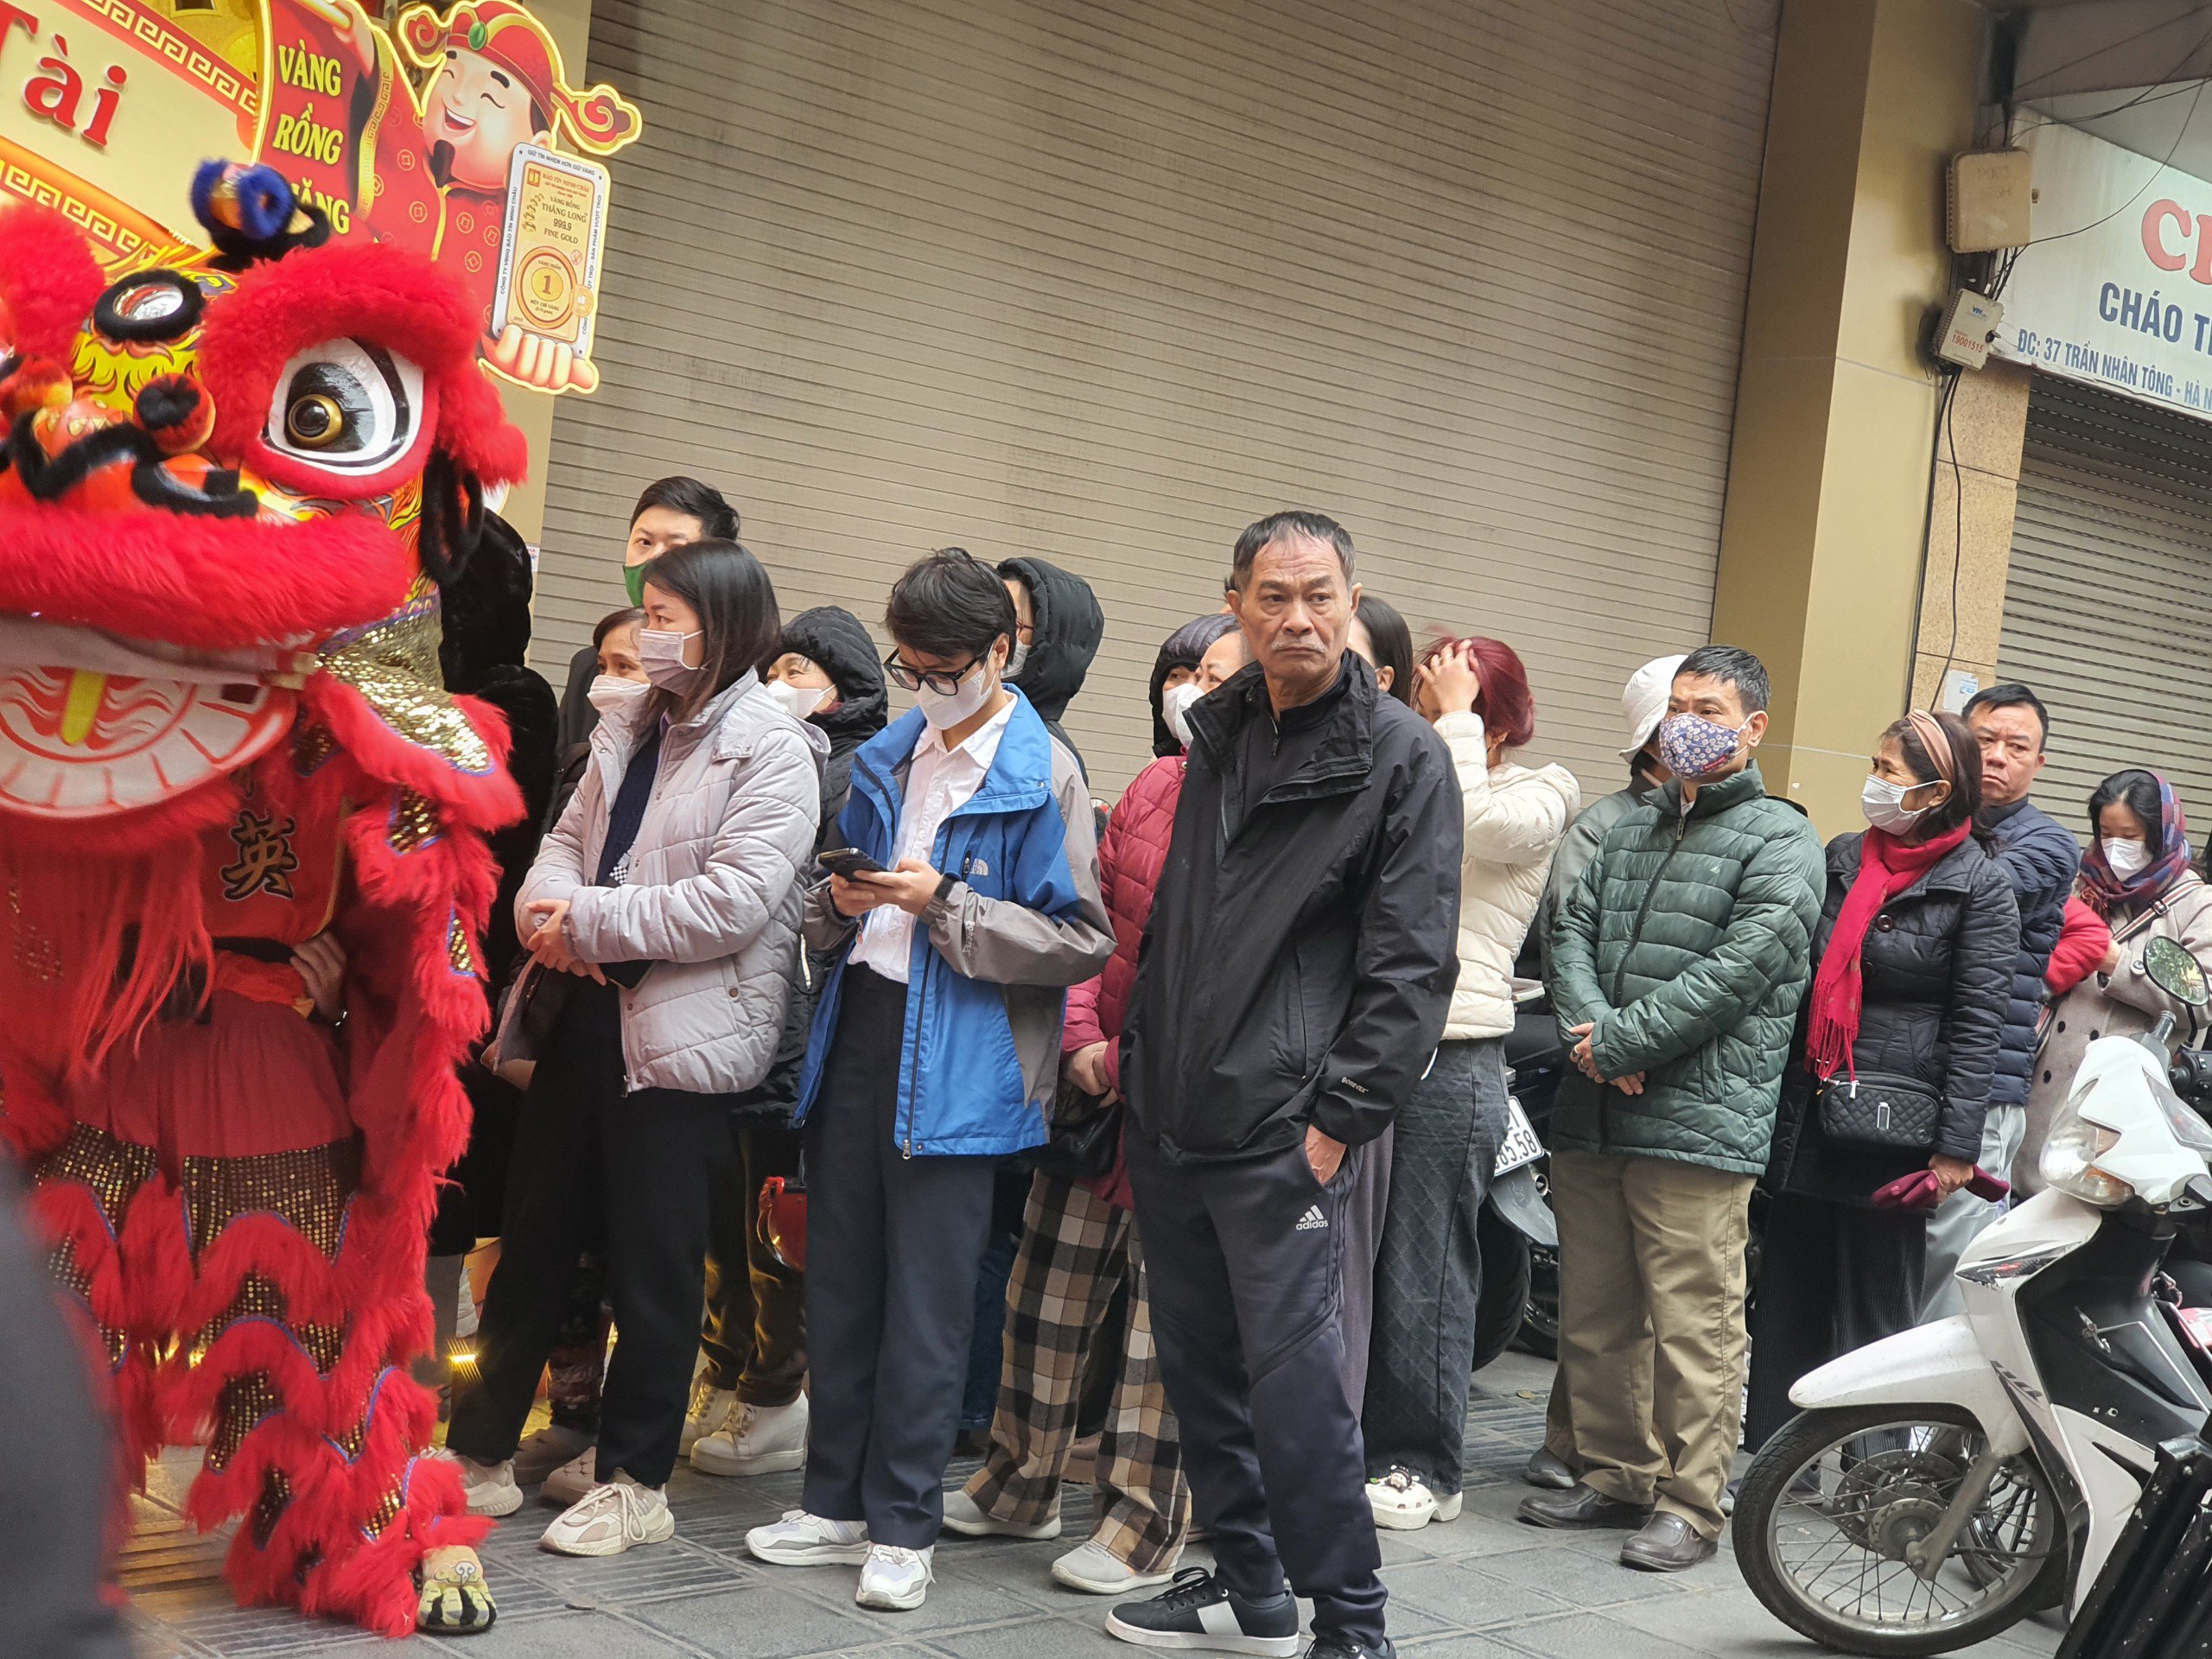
(1881, 1113)
(1086, 1135)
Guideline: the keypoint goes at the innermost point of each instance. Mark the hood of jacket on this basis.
(1183, 650)
(1069, 626)
(840, 643)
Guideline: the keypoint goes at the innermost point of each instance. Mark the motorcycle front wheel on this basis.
(1833, 1502)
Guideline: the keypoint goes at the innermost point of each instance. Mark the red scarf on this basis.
(1886, 868)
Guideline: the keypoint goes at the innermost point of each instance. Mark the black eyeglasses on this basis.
(913, 679)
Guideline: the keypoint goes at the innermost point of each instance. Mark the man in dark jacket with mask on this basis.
(2042, 859)
(1058, 627)
(1293, 983)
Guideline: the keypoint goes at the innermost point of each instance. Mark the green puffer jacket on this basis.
(1688, 942)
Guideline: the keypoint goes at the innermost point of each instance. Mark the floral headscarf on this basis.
(2101, 890)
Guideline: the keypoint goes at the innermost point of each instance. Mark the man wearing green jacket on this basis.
(1676, 972)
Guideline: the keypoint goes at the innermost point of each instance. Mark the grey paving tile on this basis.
(1581, 1636)
(764, 1623)
(1459, 1596)
(1585, 1580)
(1459, 1645)
(1718, 1615)
(1039, 1639)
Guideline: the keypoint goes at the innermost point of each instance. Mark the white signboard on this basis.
(2115, 288)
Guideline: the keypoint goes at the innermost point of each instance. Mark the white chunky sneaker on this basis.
(1403, 1501)
(755, 1440)
(541, 1453)
(1097, 1570)
(711, 1411)
(489, 1488)
(894, 1580)
(803, 1539)
(610, 1519)
(568, 1483)
(965, 1515)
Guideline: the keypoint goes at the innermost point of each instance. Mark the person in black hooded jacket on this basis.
(749, 1416)
(1058, 627)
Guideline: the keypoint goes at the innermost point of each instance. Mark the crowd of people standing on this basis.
(1181, 1116)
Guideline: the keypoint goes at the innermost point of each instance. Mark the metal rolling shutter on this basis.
(2108, 600)
(1104, 280)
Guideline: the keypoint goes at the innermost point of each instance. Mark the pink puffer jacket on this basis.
(1130, 858)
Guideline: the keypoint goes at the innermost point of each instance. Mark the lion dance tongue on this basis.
(227, 487)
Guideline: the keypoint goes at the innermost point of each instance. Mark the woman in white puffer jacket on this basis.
(1428, 1272)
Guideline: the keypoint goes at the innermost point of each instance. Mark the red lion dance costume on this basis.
(226, 486)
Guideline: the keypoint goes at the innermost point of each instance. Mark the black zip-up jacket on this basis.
(1300, 958)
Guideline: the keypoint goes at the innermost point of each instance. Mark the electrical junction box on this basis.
(1989, 197)
(1970, 322)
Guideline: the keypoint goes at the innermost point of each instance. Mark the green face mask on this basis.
(633, 578)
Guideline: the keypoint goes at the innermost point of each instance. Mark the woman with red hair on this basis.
(1429, 1269)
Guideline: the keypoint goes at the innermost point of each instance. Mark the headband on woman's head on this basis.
(1937, 743)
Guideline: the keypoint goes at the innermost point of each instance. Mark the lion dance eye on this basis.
(347, 406)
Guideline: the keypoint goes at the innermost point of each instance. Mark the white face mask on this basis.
(610, 691)
(1883, 802)
(2126, 858)
(1015, 659)
(1175, 707)
(660, 652)
(946, 709)
(798, 701)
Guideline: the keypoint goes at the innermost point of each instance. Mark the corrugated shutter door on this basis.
(1104, 282)
(2109, 601)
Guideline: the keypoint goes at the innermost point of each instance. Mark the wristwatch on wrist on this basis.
(945, 884)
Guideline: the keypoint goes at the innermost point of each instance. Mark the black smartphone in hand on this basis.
(848, 862)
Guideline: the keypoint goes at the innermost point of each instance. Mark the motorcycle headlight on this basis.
(2069, 1160)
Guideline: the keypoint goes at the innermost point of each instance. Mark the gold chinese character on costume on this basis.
(265, 859)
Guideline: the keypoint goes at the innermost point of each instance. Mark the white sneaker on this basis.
(803, 1539)
(490, 1488)
(1403, 1501)
(611, 1519)
(711, 1410)
(1097, 1570)
(541, 1453)
(965, 1515)
(756, 1440)
(568, 1483)
(894, 1580)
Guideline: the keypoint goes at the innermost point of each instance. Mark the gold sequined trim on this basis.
(459, 952)
(114, 1169)
(312, 744)
(393, 663)
(243, 1402)
(414, 821)
(387, 1511)
(308, 1188)
(260, 1298)
(269, 1508)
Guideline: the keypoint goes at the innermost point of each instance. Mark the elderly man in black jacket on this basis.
(1293, 986)
(2040, 858)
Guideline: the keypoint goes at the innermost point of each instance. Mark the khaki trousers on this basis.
(1651, 1286)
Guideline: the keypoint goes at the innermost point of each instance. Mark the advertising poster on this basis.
(2116, 286)
(453, 131)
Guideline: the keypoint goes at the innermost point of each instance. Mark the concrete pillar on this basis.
(1970, 529)
(1821, 551)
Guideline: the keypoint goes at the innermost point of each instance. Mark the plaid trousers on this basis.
(1075, 1250)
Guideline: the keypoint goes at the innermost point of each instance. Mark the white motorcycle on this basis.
(1941, 1484)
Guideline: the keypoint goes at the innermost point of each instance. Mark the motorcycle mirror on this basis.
(2169, 966)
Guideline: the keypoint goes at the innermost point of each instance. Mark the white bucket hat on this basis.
(1645, 703)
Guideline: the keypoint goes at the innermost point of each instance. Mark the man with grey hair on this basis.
(1296, 972)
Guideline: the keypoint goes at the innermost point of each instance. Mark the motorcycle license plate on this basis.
(1520, 1145)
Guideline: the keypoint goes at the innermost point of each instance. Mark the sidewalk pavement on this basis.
(1482, 1587)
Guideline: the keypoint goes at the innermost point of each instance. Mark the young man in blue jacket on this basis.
(935, 1054)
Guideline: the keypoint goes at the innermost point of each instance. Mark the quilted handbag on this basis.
(1885, 1114)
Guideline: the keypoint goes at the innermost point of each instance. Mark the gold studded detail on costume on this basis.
(308, 1188)
(387, 1511)
(113, 1169)
(414, 821)
(393, 663)
(459, 952)
(312, 744)
(269, 1508)
(244, 1403)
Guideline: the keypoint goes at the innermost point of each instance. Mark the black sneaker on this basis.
(1196, 1612)
(1336, 1645)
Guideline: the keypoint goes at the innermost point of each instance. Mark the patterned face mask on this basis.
(1693, 747)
